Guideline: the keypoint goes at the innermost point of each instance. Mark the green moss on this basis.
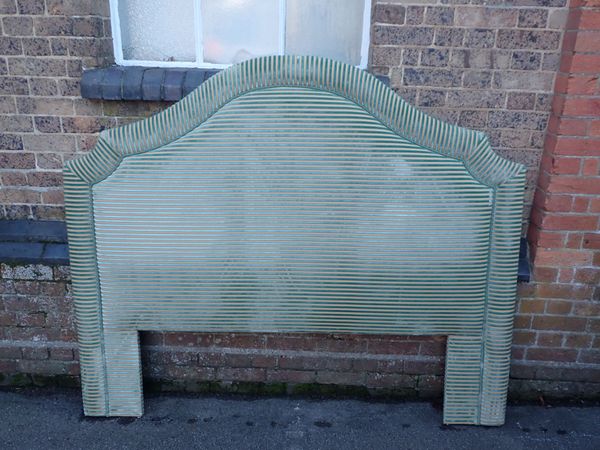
(395, 393)
(151, 385)
(67, 381)
(20, 379)
(173, 386)
(203, 387)
(275, 389)
(328, 390)
(37, 380)
(215, 387)
(255, 388)
(41, 380)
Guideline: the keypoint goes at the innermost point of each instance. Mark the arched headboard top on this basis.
(469, 146)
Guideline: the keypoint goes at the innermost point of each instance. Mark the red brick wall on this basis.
(559, 314)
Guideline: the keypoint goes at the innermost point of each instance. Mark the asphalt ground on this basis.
(53, 419)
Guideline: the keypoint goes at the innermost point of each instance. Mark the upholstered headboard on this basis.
(295, 194)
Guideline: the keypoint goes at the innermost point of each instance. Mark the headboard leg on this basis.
(462, 386)
(123, 373)
(93, 376)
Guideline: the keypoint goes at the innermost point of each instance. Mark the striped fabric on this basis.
(295, 194)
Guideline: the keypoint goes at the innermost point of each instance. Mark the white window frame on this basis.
(118, 43)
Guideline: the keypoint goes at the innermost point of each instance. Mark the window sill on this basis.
(142, 83)
(147, 83)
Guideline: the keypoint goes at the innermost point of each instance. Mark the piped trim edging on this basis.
(469, 146)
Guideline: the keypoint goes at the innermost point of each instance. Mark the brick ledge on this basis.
(45, 242)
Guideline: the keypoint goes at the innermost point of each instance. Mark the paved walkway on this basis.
(42, 419)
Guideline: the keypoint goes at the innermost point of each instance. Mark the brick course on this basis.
(492, 66)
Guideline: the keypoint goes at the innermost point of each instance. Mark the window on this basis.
(217, 33)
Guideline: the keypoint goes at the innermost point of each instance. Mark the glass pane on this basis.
(330, 28)
(236, 30)
(158, 30)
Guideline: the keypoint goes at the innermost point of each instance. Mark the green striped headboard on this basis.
(295, 194)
